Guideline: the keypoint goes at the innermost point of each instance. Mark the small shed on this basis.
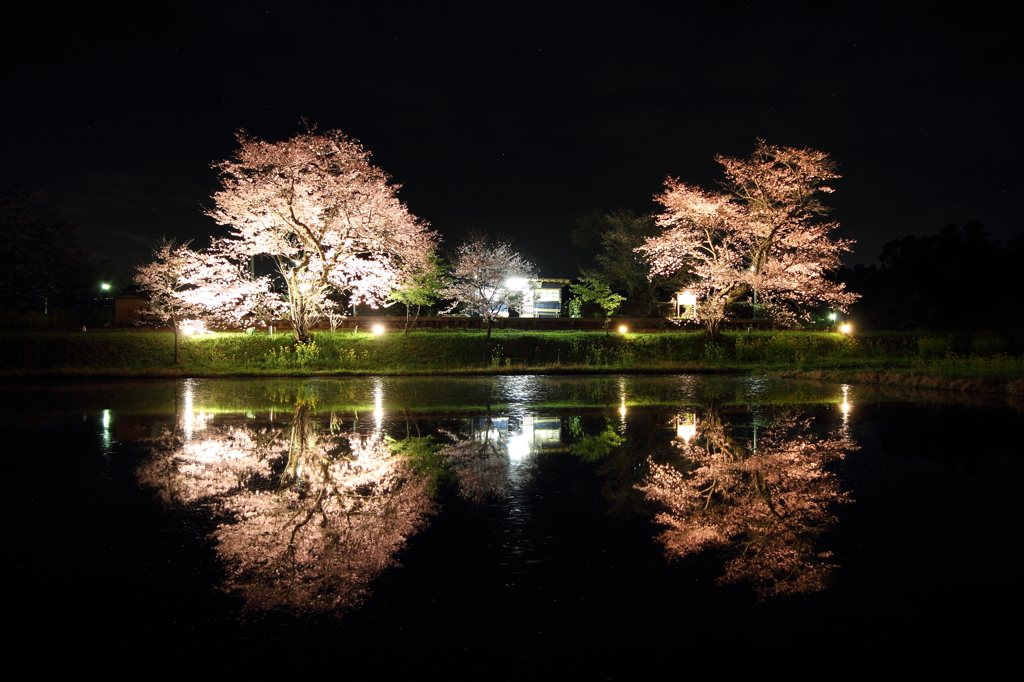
(129, 309)
(543, 297)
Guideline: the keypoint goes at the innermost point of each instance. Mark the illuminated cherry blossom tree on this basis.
(765, 234)
(484, 278)
(766, 499)
(330, 220)
(182, 284)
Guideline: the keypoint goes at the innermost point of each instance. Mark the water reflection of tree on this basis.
(767, 501)
(479, 463)
(621, 463)
(310, 515)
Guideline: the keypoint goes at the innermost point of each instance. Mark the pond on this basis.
(518, 521)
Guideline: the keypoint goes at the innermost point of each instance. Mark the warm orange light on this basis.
(846, 329)
(378, 329)
(623, 329)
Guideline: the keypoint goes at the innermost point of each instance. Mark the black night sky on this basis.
(516, 118)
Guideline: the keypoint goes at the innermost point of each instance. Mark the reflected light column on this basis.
(378, 404)
(845, 407)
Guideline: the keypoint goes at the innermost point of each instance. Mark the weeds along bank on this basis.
(447, 351)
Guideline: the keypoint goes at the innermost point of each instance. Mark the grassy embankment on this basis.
(968, 361)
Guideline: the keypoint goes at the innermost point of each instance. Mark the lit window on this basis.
(549, 294)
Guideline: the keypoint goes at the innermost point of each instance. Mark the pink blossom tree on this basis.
(764, 234)
(482, 280)
(329, 219)
(182, 284)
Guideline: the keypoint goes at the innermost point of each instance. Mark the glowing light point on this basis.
(193, 328)
(846, 329)
(623, 329)
(515, 283)
(378, 329)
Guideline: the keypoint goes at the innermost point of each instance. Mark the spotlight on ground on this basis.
(378, 329)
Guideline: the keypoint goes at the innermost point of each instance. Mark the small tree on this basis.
(481, 278)
(593, 289)
(183, 283)
(424, 286)
(169, 276)
(764, 234)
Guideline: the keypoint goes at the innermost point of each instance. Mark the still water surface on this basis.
(570, 521)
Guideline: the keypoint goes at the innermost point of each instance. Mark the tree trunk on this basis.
(174, 324)
(300, 329)
(414, 320)
(488, 337)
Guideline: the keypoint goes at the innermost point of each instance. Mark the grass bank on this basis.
(918, 358)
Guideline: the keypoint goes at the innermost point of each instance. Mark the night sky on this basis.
(515, 118)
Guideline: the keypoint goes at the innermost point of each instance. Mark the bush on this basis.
(930, 347)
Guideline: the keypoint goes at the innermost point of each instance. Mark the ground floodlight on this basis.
(623, 329)
(378, 329)
(846, 329)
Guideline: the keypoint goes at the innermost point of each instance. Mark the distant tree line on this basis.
(960, 278)
(46, 272)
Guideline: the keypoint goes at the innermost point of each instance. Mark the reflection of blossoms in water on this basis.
(334, 524)
(767, 503)
(185, 471)
(311, 538)
(479, 463)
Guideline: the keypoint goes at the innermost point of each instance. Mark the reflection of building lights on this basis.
(519, 447)
(536, 434)
(686, 426)
(106, 436)
(378, 329)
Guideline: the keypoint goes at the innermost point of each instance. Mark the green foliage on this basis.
(425, 284)
(424, 457)
(593, 289)
(594, 448)
(985, 345)
(134, 352)
(615, 235)
(791, 347)
(929, 347)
